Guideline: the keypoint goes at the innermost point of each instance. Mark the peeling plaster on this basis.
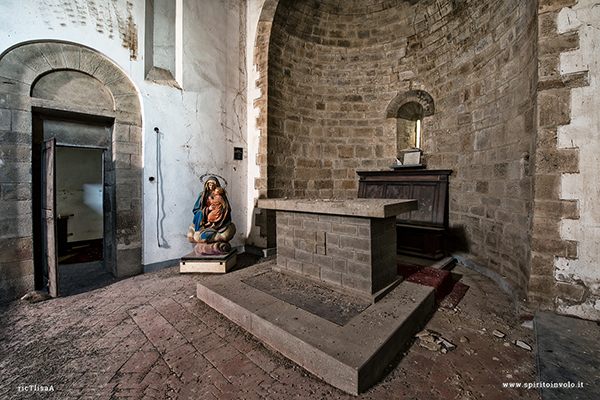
(108, 18)
(589, 310)
(582, 133)
(128, 32)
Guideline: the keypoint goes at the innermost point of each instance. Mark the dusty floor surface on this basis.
(149, 337)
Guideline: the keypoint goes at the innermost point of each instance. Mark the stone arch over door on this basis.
(20, 68)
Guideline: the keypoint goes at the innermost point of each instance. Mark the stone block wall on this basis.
(16, 234)
(564, 268)
(479, 64)
(329, 71)
(16, 241)
(354, 253)
(332, 72)
(19, 69)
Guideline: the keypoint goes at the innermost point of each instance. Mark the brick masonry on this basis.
(351, 252)
(329, 73)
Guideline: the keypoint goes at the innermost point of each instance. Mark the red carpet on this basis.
(448, 292)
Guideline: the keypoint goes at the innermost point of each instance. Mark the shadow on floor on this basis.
(87, 276)
(81, 252)
(80, 278)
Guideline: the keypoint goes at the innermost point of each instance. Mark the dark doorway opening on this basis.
(71, 240)
(81, 252)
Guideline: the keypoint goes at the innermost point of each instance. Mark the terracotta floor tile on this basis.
(221, 355)
(187, 363)
(140, 362)
(149, 337)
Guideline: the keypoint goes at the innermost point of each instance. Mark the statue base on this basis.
(193, 263)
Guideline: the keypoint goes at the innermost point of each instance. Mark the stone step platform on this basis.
(351, 354)
(445, 263)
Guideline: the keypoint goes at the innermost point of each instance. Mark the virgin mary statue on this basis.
(212, 228)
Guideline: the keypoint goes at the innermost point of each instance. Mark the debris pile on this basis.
(434, 341)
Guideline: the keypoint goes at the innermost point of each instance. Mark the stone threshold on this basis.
(351, 357)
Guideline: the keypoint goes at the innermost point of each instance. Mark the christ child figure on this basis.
(216, 207)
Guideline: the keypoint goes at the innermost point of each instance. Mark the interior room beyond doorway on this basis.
(80, 214)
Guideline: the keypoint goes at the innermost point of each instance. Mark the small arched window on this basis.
(409, 109)
(408, 124)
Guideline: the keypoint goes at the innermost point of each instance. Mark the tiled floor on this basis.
(149, 337)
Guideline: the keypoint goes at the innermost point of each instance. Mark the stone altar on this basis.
(349, 243)
(352, 353)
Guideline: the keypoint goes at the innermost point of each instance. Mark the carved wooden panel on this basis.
(420, 232)
(374, 191)
(429, 187)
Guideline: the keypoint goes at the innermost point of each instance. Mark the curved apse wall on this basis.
(335, 66)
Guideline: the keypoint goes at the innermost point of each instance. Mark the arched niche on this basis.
(409, 109)
(417, 96)
(69, 81)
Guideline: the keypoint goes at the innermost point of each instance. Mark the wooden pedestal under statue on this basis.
(210, 232)
(195, 264)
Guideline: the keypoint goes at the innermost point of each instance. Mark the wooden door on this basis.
(49, 215)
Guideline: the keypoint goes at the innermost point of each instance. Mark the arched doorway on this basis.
(82, 100)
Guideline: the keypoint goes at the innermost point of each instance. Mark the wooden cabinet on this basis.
(420, 232)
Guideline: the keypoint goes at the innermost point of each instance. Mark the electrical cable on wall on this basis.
(159, 199)
(157, 188)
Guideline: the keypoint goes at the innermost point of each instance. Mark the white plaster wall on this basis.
(205, 122)
(583, 133)
(254, 9)
(199, 125)
(96, 24)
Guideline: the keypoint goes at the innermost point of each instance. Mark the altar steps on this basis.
(351, 357)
